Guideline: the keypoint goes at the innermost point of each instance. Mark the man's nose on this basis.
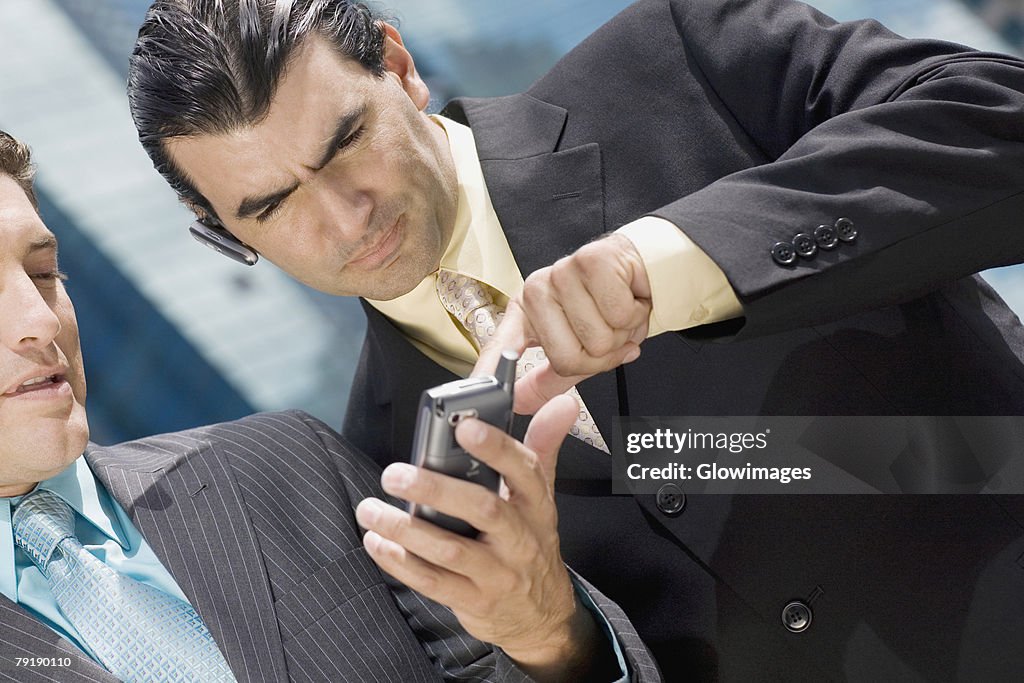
(28, 319)
(346, 212)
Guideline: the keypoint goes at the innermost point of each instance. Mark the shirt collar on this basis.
(78, 486)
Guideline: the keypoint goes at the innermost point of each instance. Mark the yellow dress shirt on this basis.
(687, 287)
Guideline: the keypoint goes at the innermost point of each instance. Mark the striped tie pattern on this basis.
(139, 633)
(473, 306)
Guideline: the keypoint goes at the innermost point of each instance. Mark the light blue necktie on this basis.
(138, 632)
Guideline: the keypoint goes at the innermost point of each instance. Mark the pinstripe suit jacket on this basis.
(254, 519)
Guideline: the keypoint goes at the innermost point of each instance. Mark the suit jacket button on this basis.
(847, 231)
(796, 616)
(805, 245)
(784, 253)
(825, 236)
(671, 499)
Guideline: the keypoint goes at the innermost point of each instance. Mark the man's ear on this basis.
(398, 61)
(200, 212)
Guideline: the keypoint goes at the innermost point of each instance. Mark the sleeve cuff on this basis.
(606, 629)
(687, 287)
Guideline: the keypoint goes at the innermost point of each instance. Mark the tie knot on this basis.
(41, 521)
(469, 302)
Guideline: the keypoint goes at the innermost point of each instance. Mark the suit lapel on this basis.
(23, 635)
(400, 373)
(549, 201)
(187, 506)
(537, 189)
(389, 378)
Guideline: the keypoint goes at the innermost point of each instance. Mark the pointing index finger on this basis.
(514, 333)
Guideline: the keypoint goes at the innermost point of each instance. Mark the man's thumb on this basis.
(548, 429)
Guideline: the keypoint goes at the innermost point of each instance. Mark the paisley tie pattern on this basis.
(469, 301)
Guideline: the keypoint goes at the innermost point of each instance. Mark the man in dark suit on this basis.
(232, 552)
(818, 195)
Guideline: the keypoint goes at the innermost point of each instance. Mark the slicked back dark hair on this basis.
(206, 67)
(16, 163)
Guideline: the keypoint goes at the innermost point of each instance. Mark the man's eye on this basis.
(50, 276)
(354, 137)
(269, 212)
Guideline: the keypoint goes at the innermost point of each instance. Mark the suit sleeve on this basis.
(457, 655)
(917, 142)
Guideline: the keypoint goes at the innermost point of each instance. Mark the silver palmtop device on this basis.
(488, 398)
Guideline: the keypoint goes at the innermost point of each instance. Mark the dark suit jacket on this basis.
(254, 520)
(746, 123)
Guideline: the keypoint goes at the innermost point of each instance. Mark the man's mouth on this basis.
(382, 250)
(36, 384)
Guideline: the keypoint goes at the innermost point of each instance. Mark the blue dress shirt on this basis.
(103, 528)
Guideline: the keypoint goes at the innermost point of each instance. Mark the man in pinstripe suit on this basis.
(251, 523)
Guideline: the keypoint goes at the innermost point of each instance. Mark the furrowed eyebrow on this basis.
(250, 206)
(341, 131)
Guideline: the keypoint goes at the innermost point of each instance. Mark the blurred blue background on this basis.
(176, 336)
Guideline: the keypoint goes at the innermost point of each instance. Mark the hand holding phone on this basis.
(507, 586)
(487, 398)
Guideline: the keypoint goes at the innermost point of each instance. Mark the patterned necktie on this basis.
(472, 305)
(138, 632)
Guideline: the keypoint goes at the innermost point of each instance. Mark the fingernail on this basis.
(632, 355)
(473, 433)
(398, 477)
(368, 512)
(372, 541)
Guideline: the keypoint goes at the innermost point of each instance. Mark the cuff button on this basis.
(846, 230)
(805, 245)
(825, 236)
(784, 253)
